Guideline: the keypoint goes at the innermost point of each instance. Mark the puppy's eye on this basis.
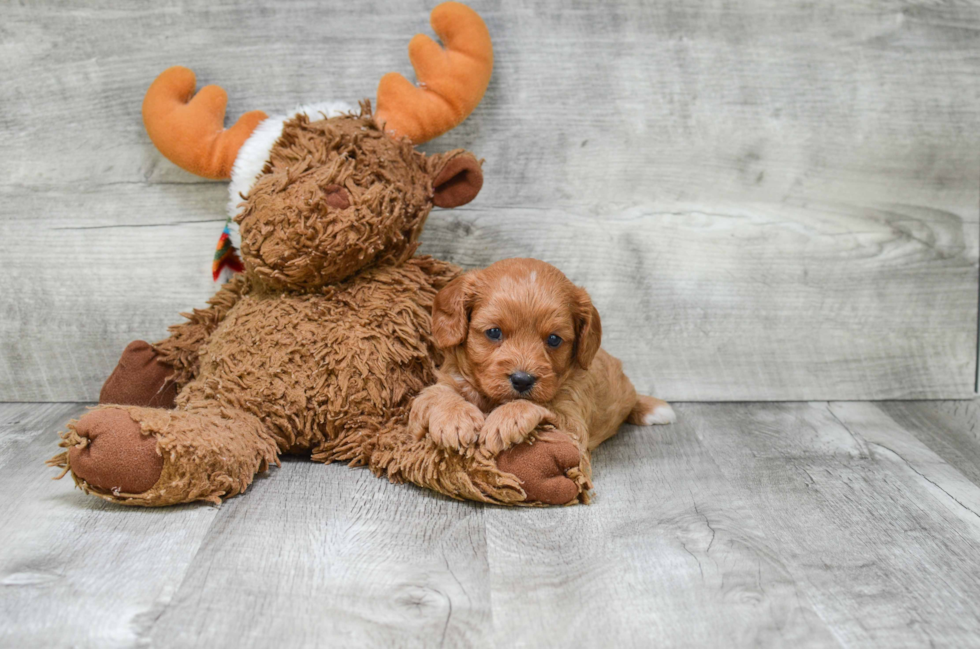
(554, 340)
(494, 333)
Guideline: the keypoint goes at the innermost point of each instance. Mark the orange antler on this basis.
(451, 81)
(189, 129)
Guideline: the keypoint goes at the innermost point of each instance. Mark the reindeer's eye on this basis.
(494, 333)
(554, 340)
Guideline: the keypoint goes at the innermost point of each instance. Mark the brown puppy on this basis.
(523, 357)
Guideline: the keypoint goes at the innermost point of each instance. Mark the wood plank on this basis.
(762, 302)
(327, 555)
(74, 570)
(791, 329)
(748, 189)
(890, 440)
(96, 276)
(669, 554)
(886, 556)
(951, 429)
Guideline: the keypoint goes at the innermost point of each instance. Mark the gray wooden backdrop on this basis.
(771, 199)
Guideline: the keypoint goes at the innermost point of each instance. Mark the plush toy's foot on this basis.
(114, 454)
(140, 379)
(153, 457)
(547, 469)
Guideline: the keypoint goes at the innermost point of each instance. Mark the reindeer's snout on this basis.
(336, 197)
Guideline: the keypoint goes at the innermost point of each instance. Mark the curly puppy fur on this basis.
(319, 347)
(523, 356)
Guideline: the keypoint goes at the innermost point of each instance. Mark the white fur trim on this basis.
(255, 151)
(661, 415)
(251, 159)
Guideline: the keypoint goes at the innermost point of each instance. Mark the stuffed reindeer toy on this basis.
(319, 346)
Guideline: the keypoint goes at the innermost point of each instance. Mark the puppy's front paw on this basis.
(455, 425)
(511, 424)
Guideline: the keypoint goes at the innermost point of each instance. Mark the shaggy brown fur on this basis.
(318, 348)
(523, 357)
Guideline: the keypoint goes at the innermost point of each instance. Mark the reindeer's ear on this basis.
(451, 312)
(456, 178)
(588, 329)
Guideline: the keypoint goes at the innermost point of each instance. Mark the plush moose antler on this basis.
(189, 129)
(451, 81)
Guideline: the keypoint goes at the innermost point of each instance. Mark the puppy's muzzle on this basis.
(522, 381)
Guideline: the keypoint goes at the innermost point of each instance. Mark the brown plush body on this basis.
(318, 348)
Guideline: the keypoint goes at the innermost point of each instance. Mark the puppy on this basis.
(523, 357)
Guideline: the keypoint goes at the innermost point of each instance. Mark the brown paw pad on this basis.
(118, 456)
(541, 467)
(140, 379)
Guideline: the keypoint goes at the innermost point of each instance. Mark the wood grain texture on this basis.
(867, 518)
(667, 556)
(332, 556)
(768, 200)
(743, 525)
(950, 429)
(76, 571)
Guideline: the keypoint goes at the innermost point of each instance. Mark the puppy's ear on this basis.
(588, 329)
(450, 312)
(456, 178)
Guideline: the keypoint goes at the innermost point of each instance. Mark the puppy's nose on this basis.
(522, 381)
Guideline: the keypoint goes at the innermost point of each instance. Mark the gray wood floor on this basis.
(797, 524)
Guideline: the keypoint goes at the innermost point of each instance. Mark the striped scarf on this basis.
(226, 259)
